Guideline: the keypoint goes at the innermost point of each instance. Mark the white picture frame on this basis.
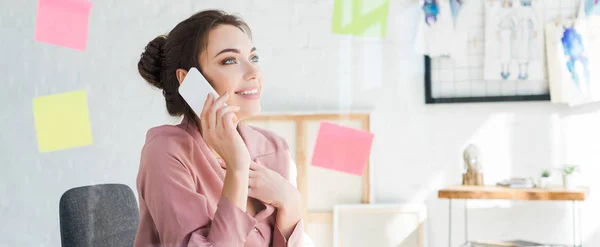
(405, 220)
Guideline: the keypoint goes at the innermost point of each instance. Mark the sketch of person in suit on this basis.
(505, 34)
(525, 34)
(516, 32)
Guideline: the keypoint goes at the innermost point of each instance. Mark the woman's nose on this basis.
(251, 72)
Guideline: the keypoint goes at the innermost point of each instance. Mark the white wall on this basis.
(417, 147)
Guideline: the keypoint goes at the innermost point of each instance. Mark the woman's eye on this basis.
(254, 59)
(229, 61)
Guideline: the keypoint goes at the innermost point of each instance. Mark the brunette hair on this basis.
(180, 49)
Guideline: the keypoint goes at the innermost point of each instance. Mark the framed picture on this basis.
(393, 225)
(473, 90)
(498, 53)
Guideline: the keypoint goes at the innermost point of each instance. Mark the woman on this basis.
(211, 180)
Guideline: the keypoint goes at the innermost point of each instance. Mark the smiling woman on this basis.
(211, 180)
(230, 63)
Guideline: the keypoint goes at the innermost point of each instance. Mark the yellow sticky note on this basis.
(360, 17)
(62, 121)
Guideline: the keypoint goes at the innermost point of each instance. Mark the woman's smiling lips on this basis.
(251, 93)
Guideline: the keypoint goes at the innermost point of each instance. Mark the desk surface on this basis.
(527, 194)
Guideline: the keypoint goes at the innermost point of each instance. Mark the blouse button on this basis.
(255, 229)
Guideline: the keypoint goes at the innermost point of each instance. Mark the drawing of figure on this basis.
(524, 37)
(431, 10)
(505, 34)
(572, 43)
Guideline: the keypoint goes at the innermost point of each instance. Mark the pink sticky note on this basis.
(342, 148)
(63, 22)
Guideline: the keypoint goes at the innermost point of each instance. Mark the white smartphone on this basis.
(194, 89)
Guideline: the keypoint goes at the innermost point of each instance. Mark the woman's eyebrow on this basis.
(233, 50)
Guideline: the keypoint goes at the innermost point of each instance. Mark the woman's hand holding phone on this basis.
(218, 122)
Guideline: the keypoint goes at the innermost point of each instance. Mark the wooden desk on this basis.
(489, 192)
(524, 194)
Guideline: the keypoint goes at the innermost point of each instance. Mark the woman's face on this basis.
(230, 63)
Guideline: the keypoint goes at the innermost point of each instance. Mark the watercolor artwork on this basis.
(431, 10)
(455, 6)
(572, 57)
(514, 41)
(592, 7)
(575, 52)
(436, 23)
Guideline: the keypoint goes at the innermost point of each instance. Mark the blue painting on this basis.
(431, 9)
(591, 7)
(455, 7)
(572, 43)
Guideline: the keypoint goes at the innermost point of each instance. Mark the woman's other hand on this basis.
(271, 188)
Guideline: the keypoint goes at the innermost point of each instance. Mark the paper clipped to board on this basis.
(62, 121)
(367, 18)
(63, 23)
(342, 149)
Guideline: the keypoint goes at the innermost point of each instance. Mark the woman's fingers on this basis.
(222, 163)
(212, 118)
(254, 165)
(207, 104)
(221, 100)
(251, 186)
(221, 119)
(229, 121)
(226, 109)
(204, 114)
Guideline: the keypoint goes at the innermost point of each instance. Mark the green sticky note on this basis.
(360, 17)
(62, 121)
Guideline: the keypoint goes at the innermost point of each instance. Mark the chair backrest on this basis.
(98, 215)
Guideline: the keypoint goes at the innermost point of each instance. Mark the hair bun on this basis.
(150, 64)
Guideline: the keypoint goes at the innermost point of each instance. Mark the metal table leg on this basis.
(577, 224)
(449, 222)
(580, 225)
(466, 223)
(574, 224)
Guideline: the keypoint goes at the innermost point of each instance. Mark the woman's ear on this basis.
(181, 73)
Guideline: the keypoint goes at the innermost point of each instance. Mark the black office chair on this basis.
(98, 215)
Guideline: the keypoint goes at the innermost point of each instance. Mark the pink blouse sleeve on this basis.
(179, 212)
(297, 238)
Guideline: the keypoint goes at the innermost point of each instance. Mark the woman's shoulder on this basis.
(167, 138)
(167, 149)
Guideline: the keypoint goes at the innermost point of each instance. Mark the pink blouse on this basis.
(179, 185)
